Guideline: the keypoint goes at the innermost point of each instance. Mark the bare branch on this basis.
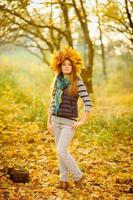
(32, 22)
(129, 15)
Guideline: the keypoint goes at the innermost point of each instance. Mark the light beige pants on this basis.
(63, 134)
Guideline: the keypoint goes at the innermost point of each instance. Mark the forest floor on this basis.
(102, 149)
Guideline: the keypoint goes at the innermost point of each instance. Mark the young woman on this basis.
(63, 112)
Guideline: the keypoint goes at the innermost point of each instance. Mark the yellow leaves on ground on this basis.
(107, 168)
(102, 148)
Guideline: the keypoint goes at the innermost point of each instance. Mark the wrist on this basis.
(81, 121)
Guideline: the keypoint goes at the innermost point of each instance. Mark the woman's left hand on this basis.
(77, 124)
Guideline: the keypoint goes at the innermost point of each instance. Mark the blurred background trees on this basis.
(99, 29)
(30, 32)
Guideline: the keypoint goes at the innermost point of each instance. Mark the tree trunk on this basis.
(87, 72)
(101, 41)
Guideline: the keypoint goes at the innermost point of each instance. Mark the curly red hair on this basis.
(66, 53)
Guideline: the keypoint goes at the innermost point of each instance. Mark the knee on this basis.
(61, 152)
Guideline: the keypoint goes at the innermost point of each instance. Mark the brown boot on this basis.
(63, 185)
(79, 183)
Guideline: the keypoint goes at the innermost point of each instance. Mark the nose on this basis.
(67, 66)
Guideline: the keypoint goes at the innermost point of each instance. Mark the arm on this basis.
(84, 117)
(49, 126)
(49, 117)
(82, 90)
(52, 105)
(51, 108)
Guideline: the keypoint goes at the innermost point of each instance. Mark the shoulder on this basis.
(80, 81)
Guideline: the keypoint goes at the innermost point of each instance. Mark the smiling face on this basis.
(66, 67)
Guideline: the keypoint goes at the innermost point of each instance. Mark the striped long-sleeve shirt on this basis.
(82, 91)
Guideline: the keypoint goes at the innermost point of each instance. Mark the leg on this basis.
(62, 166)
(66, 136)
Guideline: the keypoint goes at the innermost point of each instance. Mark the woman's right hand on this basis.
(50, 128)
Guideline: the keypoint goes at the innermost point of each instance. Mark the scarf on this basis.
(62, 82)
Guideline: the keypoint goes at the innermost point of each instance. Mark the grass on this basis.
(25, 96)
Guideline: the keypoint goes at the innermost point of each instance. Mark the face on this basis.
(66, 67)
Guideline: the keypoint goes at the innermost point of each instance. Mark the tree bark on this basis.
(87, 73)
(101, 41)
